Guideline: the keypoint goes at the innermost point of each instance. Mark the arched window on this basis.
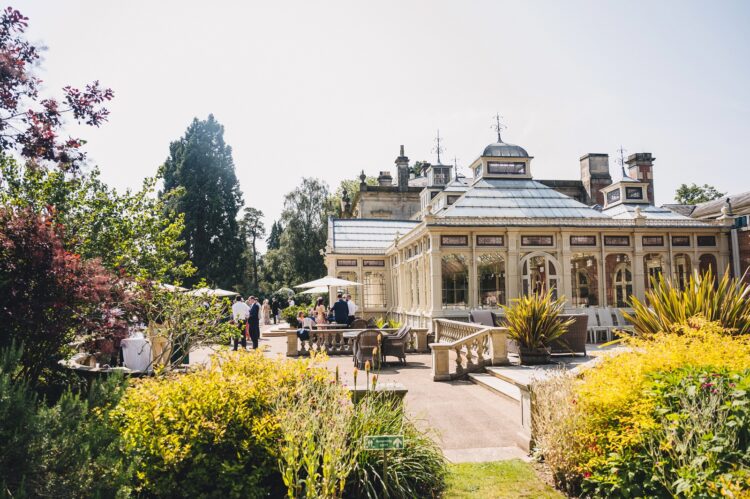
(707, 262)
(653, 268)
(539, 273)
(374, 290)
(619, 271)
(455, 278)
(681, 270)
(491, 278)
(584, 279)
(348, 275)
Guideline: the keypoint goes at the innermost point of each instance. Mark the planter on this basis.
(533, 356)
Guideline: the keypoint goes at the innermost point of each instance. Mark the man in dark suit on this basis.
(341, 310)
(254, 321)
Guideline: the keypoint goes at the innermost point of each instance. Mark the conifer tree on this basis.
(200, 173)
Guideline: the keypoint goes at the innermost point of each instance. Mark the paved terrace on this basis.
(470, 423)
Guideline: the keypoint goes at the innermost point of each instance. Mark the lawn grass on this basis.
(495, 480)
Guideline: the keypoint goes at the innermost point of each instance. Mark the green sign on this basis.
(384, 442)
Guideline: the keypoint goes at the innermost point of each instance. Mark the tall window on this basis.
(619, 271)
(706, 262)
(539, 273)
(491, 276)
(653, 268)
(374, 290)
(455, 277)
(351, 290)
(682, 270)
(584, 279)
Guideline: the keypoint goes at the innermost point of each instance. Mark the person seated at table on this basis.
(305, 325)
(341, 310)
(320, 312)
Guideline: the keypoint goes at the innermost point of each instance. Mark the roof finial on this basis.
(438, 148)
(401, 153)
(498, 127)
(621, 161)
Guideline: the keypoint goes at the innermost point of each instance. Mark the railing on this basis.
(332, 342)
(472, 346)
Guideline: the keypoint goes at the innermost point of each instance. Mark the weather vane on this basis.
(621, 160)
(498, 127)
(438, 148)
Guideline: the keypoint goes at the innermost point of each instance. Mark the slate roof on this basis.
(366, 236)
(516, 198)
(627, 212)
(713, 208)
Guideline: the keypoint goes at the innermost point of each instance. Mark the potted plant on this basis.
(533, 321)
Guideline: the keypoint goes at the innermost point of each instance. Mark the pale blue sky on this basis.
(329, 88)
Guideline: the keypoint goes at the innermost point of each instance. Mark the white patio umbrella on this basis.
(328, 281)
(315, 291)
(171, 287)
(211, 292)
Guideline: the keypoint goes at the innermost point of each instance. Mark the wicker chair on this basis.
(359, 324)
(574, 340)
(483, 317)
(364, 346)
(395, 344)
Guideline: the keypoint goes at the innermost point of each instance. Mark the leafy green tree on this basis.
(305, 220)
(695, 194)
(351, 186)
(200, 175)
(274, 239)
(252, 228)
(131, 233)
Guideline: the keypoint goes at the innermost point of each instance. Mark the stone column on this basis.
(565, 276)
(639, 282)
(436, 306)
(512, 267)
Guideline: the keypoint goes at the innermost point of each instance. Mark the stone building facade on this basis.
(480, 242)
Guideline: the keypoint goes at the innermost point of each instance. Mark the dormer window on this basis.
(439, 175)
(613, 196)
(506, 168)
(633, 193)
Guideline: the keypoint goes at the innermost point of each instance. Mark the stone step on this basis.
(497, 385)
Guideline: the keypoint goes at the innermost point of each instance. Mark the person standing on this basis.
(254, 321)
(320, 312)
(341, 310)
(266, 309)
(275, 310)
(352, 308)
(240, 312)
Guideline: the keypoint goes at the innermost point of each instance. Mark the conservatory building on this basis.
(434, 244)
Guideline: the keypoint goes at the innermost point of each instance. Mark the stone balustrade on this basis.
(472, 347)
(332, 342)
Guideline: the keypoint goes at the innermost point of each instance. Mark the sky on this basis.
(327, 89)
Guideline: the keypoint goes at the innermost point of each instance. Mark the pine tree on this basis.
(200, 173)
(274, 239)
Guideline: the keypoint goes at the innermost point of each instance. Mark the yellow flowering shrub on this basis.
(211, 432)
(611, 408)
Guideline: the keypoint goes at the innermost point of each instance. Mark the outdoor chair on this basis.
(574, 340)
(606, 323)
(364, 346)
(359, 324)
(622, 323)
(593, 325)
(483, 317)
(395, 344)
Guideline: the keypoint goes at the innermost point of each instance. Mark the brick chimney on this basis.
(385, 179)
(595, 176)
(641, 168)
(402, 162)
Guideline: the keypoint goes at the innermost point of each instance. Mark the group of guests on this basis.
(341, 312)
(246, 317)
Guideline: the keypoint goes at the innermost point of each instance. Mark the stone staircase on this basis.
(497, 382)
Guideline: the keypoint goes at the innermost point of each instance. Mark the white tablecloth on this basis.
(137, 354)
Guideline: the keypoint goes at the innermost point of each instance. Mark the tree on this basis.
(29, 124)
(199, 175)
(252, 229)
(130, 233)
(351, 186)
(305, 220)
(274, 239)
(695, 194)
(49, 295)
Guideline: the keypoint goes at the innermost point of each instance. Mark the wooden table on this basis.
(332, 325)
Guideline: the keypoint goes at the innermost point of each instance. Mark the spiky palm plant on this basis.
(533, 320)
(666, 306)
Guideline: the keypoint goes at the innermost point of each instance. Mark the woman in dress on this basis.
(266, 310)
(320, 312)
